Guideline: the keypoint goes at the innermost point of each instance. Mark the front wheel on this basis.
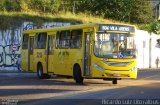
(77, 74)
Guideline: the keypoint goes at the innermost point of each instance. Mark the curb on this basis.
(9, 71)
(148, 69)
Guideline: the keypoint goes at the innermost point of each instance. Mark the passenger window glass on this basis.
(64, 39)
(41, 40)
(76, 38)
(25, 41)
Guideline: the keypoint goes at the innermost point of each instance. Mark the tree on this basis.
(24, 5)
(54, 6)
(2, 5)
(153, 27)
(12, 5)
(134, 11)
(142, 12)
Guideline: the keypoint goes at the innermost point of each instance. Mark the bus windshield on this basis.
(114, 45)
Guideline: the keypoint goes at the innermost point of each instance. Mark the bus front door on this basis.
(30, 52)
(87, 55)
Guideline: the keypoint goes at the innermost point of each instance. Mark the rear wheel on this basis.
(114, 81)
(77, 74)
(40, 73)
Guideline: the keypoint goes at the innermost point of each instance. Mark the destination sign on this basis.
(113, 27)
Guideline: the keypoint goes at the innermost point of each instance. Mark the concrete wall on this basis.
(10, 41)
(143, 41)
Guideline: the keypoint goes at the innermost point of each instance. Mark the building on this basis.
(146, 55)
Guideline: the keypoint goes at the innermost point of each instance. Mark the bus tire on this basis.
(114, 81)
(77, 74)
(40, 72)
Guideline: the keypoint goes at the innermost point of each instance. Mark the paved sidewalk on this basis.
(8, 70)
(146, 69)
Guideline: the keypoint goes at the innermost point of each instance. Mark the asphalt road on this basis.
(26, 89)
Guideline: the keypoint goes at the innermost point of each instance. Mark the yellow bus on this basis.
(101, 51)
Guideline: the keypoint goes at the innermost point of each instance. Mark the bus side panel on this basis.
(40, 57)
(65, 59)
(24, 52)
(75, 58)
(59, 64)
(24, 59)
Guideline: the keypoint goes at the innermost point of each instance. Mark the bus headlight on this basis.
(133, 69)
(98, 67)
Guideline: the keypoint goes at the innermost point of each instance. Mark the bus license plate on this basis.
(116, 75)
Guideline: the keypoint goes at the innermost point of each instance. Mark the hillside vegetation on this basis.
(15, 19)
(14, 12)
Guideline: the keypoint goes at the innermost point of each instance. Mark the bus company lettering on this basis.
(65, 53)
(39, 54)
(116, 28)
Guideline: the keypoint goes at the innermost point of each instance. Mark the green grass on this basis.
(9, 19)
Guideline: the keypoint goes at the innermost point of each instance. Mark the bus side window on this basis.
(41, 40)
(76, 39)
(64, 39)
(57, 39)
(25, 41)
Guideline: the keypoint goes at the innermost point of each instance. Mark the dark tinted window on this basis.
(41, 40)
(25, 41)
(76, 39)
(63, 39)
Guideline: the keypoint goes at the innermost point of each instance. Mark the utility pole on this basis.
(150, 50)
(159, 11)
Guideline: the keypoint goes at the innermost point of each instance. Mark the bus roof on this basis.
(79, 26)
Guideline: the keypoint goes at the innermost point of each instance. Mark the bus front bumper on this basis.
(120, 74)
